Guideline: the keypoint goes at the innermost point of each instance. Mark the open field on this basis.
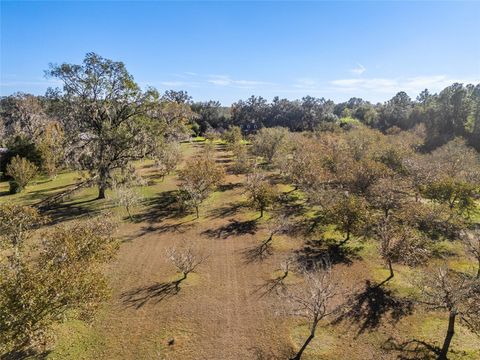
(223, 310)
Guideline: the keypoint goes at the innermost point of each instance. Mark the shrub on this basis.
(22, 171)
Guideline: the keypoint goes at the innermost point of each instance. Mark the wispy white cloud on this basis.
(391, 85)
(33, 83)
(174, 83)
(358, 70)
(305, 83)
(225, 80)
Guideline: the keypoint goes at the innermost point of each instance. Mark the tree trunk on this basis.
(129, 214)
(196, 211)
(344, 241)
(390, 277)
(449, 336)
(298, 356)
(478, 270)
(101, 192)
(390, 267)
(261, 212)
(102, 182)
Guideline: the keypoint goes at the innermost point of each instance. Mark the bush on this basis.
(22, 171)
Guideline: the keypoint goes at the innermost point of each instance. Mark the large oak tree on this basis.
(108, 118)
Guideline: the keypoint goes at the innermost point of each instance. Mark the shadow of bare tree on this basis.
(24, 355)
(233, 228)
(180, 228)
(315, 251)
(412, 349)
(157, 292)
(257, 253)
(370, 306)
(73, 210)
(229, 186)
(259, 353)
(227, 210)
(161, 207)
(271, 285)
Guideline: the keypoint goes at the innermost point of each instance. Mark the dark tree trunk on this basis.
(478, 270)
(178, 282)
(390, 277)
(270, 238)
(196, 211)
(344, 241)
(298, 356)
(449, 336)
(102, 182)
(101, 191)
(129, 214)
(261, 212)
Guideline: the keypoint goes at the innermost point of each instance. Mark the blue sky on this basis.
(231, 50)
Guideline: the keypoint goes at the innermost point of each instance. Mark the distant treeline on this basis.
(455, 111)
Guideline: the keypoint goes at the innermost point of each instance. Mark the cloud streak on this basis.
(358, 70)
(225, 80)
(392, 85)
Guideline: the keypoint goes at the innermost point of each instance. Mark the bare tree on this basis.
(277, 283)
(471, 241)
(186, 259)
(312, 300)
(128, 197)
(400, 243)
(278, 224)
(457, 294)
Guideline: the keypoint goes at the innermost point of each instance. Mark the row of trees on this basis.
(368, 184)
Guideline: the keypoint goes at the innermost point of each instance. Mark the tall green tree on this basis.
(108, 117)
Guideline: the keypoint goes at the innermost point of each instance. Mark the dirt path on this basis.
(215, 315)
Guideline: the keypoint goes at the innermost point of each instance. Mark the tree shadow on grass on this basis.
(291, 204)
(69, 211)
(25, 354)
(180, 228)
(234, 228)
(162, 206)
(257, 253)
(315, 251)
(270, 286)
(260, 353)
(42, 194)
(412, 349)
(157, 292)
(369, 307)
(229, 186)
(227, 210)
